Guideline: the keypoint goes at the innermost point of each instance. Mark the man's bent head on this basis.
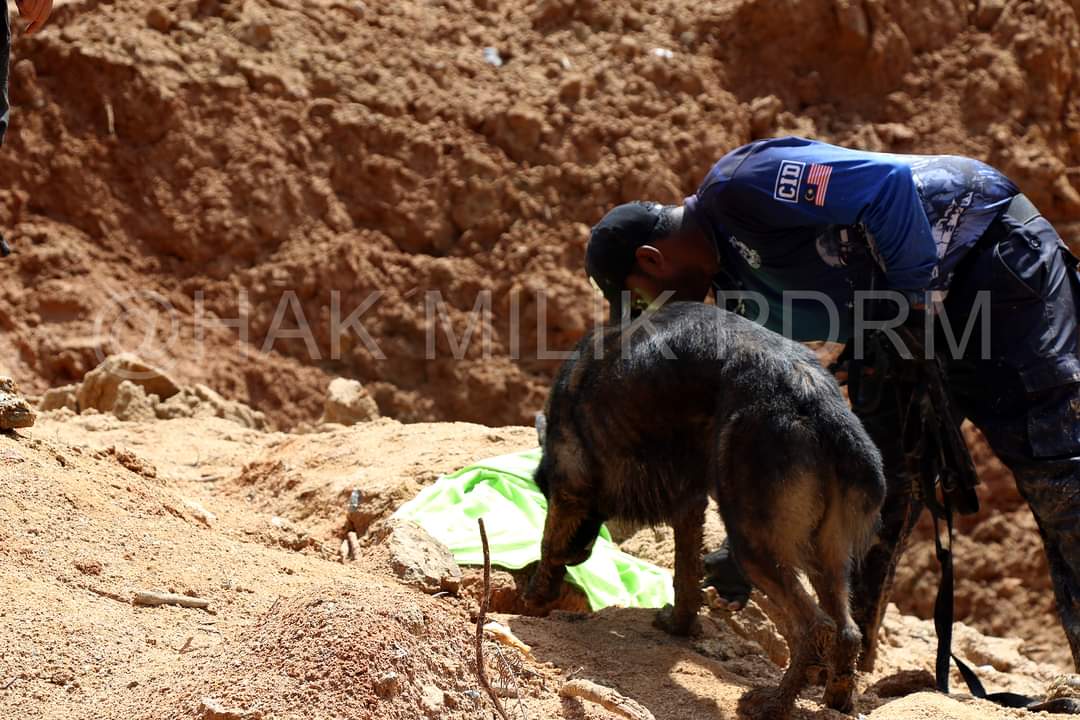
(647, 248)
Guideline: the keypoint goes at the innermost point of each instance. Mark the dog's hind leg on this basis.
(815, 634)
(832, 589)
(689, 532)
(832, 583)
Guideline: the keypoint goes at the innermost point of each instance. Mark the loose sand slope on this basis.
(92, 509)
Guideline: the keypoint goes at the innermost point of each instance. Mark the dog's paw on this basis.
(667, 621)
(764, 704)
(840, 695)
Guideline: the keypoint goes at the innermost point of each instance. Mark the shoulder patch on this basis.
(788, 180)
(817, 183)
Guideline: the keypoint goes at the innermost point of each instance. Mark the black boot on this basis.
(726, 587)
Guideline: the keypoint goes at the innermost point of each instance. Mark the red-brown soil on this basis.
(93, 509)
(167, 160)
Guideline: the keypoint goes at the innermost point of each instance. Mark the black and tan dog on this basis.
(644, 426)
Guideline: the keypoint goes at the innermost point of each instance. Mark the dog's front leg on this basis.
(689, 531)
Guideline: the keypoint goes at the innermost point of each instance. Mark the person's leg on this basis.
(1026, 395)
(872, 580)
(1051, 487)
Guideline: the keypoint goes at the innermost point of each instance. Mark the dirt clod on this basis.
(421, 561)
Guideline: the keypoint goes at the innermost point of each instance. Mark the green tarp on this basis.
(501, 491)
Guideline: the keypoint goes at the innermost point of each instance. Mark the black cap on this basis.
(610, 255)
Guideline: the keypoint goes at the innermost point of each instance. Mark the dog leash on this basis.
(948, 465)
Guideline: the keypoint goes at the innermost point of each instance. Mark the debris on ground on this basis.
(15, 411)
(348, 403)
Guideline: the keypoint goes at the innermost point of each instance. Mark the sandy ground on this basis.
(193, 179)
(93, 509)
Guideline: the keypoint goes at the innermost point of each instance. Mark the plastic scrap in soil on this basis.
(501, 490)
(492, 57)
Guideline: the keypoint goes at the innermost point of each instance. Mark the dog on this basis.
(646, 421)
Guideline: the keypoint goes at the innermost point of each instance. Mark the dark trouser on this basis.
(5, 61)
(1024, 394)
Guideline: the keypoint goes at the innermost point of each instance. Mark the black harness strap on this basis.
(938, 459)
(943, 605)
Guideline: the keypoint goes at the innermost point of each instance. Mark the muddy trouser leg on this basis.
(1051, 487)
(5, 60)
(1034, 427)
(872, 580)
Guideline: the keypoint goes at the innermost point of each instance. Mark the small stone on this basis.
(988, 13)
(572, 89)
(15, 411)
(200, 513)
(348, 402)
(60, 397)
(905, 682)
(25, 89)
(763, 112)
(211, 709)
(88, 566)
(100, 387)
(420, 560)
(432, 701)
(412, 617)
(387, 685)
(132, 403)
(1063, 686)
(132, 462)
(257, 32)
(158, 18)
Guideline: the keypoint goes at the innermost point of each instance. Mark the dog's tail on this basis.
(860, 484)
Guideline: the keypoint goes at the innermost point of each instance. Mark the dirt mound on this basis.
(291, 632)
(258, 166)
(349, 649)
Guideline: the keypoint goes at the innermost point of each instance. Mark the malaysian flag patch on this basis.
(817, 183)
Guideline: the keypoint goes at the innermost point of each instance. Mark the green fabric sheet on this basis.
(501, 491)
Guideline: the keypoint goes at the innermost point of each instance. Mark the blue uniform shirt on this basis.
(791, 214)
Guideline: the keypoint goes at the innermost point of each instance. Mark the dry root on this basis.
(606, 698)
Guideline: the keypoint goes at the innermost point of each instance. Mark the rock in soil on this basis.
(15, 412)
(420, 560)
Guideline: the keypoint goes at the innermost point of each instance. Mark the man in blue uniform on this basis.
(791, 232)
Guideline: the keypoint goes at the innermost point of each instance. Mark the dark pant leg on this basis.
(872, 579)
(1025, 396)
(1051, 487)
(5, 61)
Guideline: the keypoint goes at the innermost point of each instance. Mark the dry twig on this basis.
(485, 601)
(145, 597)
(607, 698)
